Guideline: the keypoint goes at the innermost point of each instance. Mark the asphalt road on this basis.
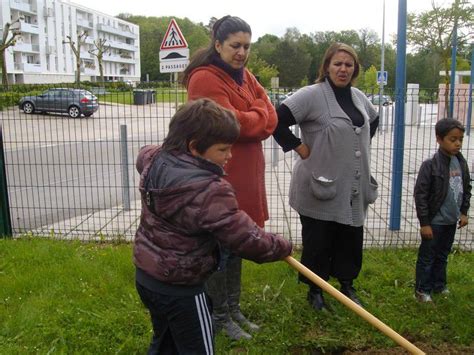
(58, 168)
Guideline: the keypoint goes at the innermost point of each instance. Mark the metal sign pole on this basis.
(5, 219)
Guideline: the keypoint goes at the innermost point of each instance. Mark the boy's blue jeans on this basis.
(433, 259)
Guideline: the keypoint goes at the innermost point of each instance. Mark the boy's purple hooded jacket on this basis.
(187, 208)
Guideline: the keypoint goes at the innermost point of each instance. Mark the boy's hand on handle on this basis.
(302, 150)
(288, 247)
(462, 221)
(426, 232)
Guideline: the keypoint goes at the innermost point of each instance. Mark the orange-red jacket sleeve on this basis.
(252, 107)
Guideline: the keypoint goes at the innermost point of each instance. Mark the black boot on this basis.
(316, 300)
(216, 287)
(234, 271)
(349, 290)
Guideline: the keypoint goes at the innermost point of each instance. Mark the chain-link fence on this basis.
(76, 178)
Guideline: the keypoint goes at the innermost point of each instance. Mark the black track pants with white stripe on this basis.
(181, 324)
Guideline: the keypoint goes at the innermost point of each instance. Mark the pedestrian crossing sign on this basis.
(382, 77)
(173, 39)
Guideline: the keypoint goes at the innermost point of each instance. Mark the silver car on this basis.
(74, 102)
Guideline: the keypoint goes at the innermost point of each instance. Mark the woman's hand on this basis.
(302, 150)
(462, 221)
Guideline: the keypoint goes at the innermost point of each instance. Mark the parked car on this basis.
(375, 99)
(74, 102)
(276, 98)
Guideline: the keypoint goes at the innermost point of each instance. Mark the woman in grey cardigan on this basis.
(331, 185)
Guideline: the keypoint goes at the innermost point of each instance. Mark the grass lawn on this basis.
(127, 97)
(61, 297)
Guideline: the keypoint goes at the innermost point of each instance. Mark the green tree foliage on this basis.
(370, 80)
(432, 32)
(367, 47)
(260, 68)
(296, 57)
(423, 68)
(265, 46)
(291, 59)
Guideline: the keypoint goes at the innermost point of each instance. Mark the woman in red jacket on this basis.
(218, 72)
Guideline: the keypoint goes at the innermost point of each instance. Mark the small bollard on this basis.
(124, 168)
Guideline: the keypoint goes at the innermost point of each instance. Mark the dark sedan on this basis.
(74, 102)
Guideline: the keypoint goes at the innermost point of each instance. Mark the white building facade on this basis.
(40, 54)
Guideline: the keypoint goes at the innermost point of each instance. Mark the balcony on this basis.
(123, 45)
(85, 55)
(119, 59)
(29, 28)
(26, 47)
(88, 71)
(28, 67)
(117, 31)
(84, 23)
(89, 40)
(22, 6)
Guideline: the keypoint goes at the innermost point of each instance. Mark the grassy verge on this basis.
(127, 97)
(67, 297)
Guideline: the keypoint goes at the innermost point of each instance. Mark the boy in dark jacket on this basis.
(187, 209)
(442, 195)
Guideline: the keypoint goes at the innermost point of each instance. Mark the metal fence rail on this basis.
(75, 178)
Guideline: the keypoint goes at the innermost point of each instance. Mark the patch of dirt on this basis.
(443, 349)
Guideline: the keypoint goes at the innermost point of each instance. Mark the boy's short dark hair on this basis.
(204, 122)
(444, 125)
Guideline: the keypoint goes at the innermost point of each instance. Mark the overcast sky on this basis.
(274, 17)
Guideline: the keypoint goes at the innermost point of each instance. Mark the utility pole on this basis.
(382, 68)
(399, 127)
(454, 50)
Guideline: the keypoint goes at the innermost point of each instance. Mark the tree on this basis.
(76, 48)
(367, 48)
(370, 80)
(291, 58)
(261, 69)
(9, 37)
(100, 49)
(433, 31)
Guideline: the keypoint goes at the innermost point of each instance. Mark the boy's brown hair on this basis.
(204, 122)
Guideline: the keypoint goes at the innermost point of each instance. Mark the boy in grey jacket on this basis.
(187, 209)
(442, 198)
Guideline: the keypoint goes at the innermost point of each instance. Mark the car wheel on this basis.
(385, 104)
(74, 112)
(28, 107)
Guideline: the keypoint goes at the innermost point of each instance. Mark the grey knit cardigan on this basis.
(334, 182)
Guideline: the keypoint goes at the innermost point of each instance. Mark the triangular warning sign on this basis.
(173, 37)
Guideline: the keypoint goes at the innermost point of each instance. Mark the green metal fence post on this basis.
(5, 219)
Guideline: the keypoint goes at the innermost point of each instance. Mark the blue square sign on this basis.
(380, 77)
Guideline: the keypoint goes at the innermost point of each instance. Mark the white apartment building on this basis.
(41, 56)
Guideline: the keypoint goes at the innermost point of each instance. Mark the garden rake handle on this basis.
(352, 305)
